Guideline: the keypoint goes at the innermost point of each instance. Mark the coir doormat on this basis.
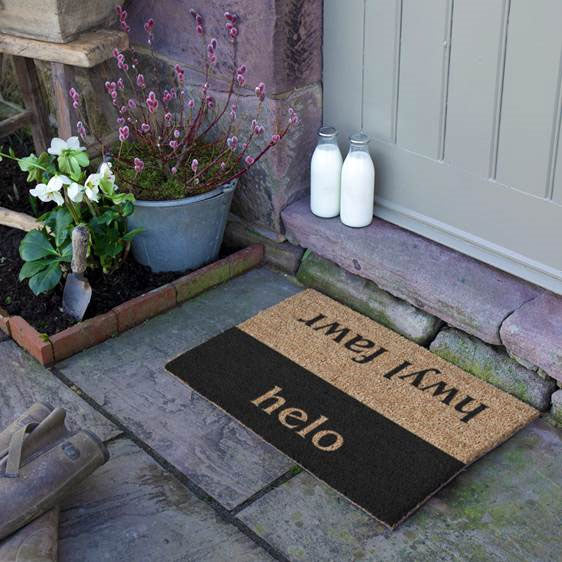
(380, 419)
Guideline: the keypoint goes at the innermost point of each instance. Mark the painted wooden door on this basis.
(463, 101)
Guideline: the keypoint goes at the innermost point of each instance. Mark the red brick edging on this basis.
(49, 349)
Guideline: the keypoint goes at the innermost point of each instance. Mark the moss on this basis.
(157, 183)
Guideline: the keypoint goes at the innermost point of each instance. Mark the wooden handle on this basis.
(80, 239)
(18, 220)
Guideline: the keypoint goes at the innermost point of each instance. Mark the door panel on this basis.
(463, 101)
(422, 60)
(530, 94)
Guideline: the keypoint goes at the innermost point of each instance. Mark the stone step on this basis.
(462, 291)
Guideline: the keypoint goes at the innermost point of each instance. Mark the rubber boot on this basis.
(35, 414)
(36, 542)
(42, 462)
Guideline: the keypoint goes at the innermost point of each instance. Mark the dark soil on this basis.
(14, 189)
(44, 312)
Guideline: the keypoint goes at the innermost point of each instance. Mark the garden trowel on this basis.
(77, 291)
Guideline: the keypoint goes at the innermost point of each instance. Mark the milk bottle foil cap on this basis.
(359, 138)
(327, 132)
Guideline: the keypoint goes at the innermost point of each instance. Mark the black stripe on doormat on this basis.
(378, 465)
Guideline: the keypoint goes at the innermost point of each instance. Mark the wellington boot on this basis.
(42, 462)
(36, 542)
(35, 414)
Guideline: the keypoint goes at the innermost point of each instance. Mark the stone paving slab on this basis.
(460, 290)
(506, 507)
(534, 332)
(23, 381)
(127, 377)
(131, 509)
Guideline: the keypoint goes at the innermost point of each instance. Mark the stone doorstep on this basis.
(88, 333)
(465, 293)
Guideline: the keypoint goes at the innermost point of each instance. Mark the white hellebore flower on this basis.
(91, 186)
(58, 145)
(106, 172)
(76, 192)
(51, 191)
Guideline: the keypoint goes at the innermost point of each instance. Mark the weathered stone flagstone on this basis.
(505, 507)
(127, 377)
(131, 509)
(556, 410)
(23, 381)
(534, 332)
(494, 366)
(365, 297)
(460, 290)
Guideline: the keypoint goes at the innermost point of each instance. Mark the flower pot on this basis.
(181, 234)
(58, 21)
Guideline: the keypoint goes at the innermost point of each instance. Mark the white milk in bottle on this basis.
(357, 183)
(325, 175)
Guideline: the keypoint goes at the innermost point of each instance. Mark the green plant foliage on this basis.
(93, 200)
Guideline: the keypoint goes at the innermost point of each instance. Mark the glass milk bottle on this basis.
(325, 173)
(357, 183)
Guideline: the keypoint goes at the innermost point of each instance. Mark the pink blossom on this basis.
(210, 102)
(230, 17)
(174, 170)
(177, 133)
(173, 144)
(232, 142)
(123, 133)
(152, 102)
(149, 25)
(140, 81)
(275, 139)
(145, 127)
(194, 165)
(168, 117)
(120, 121)
(139, 165)
(240, 79)
(179, 73)
(199, 29)
(166, 96)
(191, 104)
(293, 117)
(115, 52)
(260, 91)
(120, 84)
(114, 94)
(81, 129)
(233, 32)
(132, 103)
(223, 165)
(75, 105)
(228, 26)
(249, 160)
(193, 12)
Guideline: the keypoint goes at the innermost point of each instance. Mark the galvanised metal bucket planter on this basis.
(181, 234)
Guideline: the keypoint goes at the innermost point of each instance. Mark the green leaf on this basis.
(64, 163)
(46, 279)
(81, 157)
(63, 219)
(132, 233)
(66, 253)
(35, 245)
(31, 268)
